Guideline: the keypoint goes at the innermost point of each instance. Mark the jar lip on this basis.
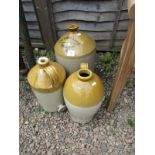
(72, 27)
(84, 74)
(43, 61)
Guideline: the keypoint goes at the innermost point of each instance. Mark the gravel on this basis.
(43, 133)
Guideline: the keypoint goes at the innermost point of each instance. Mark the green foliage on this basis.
(131, 122)
(107, 58)
(109, 61)
(130, 83)
(38, 53)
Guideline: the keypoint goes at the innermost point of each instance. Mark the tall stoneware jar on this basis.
(46, 79)
(83, 94)
(75, 47)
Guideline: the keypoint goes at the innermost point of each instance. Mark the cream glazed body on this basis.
(49, 101)
(83, 94)
(72, 65)
(46, 79)
(82, 115)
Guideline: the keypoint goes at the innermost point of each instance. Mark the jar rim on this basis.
(84, 74)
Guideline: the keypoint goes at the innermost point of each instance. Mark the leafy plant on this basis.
(41, 52)
(130, 83)
(109, 61)
(131, 122)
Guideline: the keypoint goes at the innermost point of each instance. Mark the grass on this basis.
(109, 61)
(130, 83)
(131, 122)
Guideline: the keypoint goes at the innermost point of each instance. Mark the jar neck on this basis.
(73, 27)
(84, 74)
(43, 61)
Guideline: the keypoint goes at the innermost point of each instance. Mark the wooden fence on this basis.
(104, 20)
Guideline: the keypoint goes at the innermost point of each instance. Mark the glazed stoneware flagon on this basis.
(46, 79)
(83, 94)
(75, 47)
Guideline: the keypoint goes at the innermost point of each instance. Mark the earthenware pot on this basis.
(75, 47)
(83, 94)
(46, 79)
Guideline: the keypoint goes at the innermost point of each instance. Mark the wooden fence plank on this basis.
(113, 34)
(125, 5)
(95, 17)
(33, 26)
(100, 35)
(106, 48)
(106, 43)
(28, 7)
(86, 16)
(30, 16)
(124, 15)
(92, 6)
(89, 26)
(35, 34)
(28, 51)
(46, 25)
(122, 25)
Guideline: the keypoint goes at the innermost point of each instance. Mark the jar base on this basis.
(82, 114)
(49, 101)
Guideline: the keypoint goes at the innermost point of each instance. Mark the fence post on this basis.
(46, 22)
(118, 13)
(28, 50)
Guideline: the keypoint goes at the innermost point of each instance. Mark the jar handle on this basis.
(84, 66)
(53, 75)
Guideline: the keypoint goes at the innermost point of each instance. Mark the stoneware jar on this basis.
(46, 79)
(83, 94)
(75, 47)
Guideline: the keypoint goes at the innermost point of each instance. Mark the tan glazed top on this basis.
(74, 43)
(84, 88)
(46, 76)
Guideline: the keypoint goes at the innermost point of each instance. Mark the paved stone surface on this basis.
(43, 133)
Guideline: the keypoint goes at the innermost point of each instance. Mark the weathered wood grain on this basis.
(34, 45)
(100, 35)
(106, 48)
(124, 15)
(33, 26)
(28, 6)
(122, 25)
(35, 34)
(88, 16)
(88, 26)
(46, 24)
(92, 6)
(26, 0)
(95, 17)
(106, 43)
(125, 5)
(116, 22)
(34, 42)
(28, 51)
(30, 16)
(84, 16)
(127, 60)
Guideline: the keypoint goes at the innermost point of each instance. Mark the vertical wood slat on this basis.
(44, 13)
(21, 62)
(127, 60)
(28, 51)
(118, 13)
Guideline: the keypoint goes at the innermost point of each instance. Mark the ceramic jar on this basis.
(83, 94)
(46, 79)
(75, 47)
